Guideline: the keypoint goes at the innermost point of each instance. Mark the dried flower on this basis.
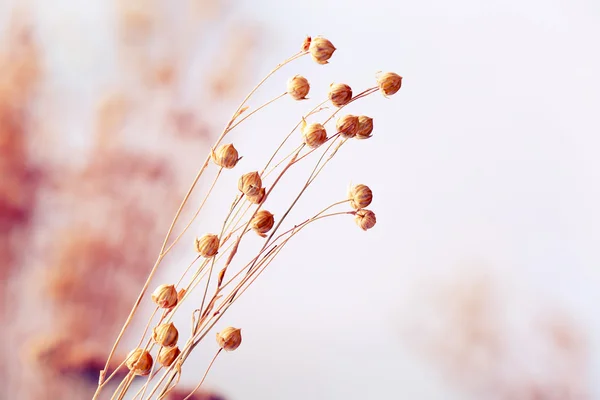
(259, 197)
(389, 83)
(360, 196)
(250, 183)
(365, 219)
(165, 335)
(340, 94)
(139, 361)
(208, 245)
(365, 127)
(321, 50)
(298, 87)
(229, 339)
(167, 355)
(225, 156)
(314, 135)
(165, 296)
(347, 125)
(262, 222)
(306, 43)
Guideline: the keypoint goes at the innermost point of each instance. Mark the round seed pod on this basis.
(229, 339)
(250, 183)
(262, 222)
(225, 156)
(314, 135)
(360, 196)
(321, 50)
(298, 87)
(167, 355)
(208, 245)
(365, 219)
(365, 127)
(389, 83)
(139, 361)
(340, 94)
(165, 335)
(347, 126)
(259, 197)
(165, 296)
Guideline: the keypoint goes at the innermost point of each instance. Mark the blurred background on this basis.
(481, 279)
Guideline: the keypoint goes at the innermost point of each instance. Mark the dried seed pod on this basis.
(165, 335)
(340, 94)
(250, 183)
(139, 361)
(259, 197)
(180, 294)
(360, 196)
(321, 49)
(229, 339)
(389, 83)
(306, 43)
(365, 127)
(208, 245)
(347, 126)
(365, 219)
(167, 355)
(314, 135)
(165, 296)
(298, 87)
(225, 156)
(262, 222)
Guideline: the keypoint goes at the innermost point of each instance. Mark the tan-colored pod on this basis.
(321, 50)
(347, 126)
(262, 222)
(365, 127)
(389, 83)
(225, 156)
(208, 245)
(314, 135)
(259, 197)
(139, 361)
(165, 335)
(250, 183)
(229, 339)
(360, 196)
(340, 94)
(167, 355)
(298, 87)
(165, 296)
(365, 219)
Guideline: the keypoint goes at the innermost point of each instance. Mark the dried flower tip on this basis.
(229, 339)
(306, 43)
(165, 296)
(208, 245)
(314, 135)
(340, 94)
(165, 335)
(139, 361)
(225, 156)
(347, 126)
(167, 355)
(259, 197)
(321, 50)
(250, 183)
(298, 87)
(365, 127)
(365, 219)
(389, 83)
(360, 196)
(181, 294)
(262, 222)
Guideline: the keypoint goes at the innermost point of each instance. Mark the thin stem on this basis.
(256, 110)
(205, 374)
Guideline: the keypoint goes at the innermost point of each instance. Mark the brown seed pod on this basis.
(165, 296)
(360, 196)
(225, 156)
(167, 355)
(321, 50)
(139, 361)
(306, 43)
(347, 126)
(165, 335)
(365, 219)
(365, 127)
(262, 222)
(229, 339)
(389, 83)
(250, 183)
(298, 87)
(314, 135)
(259, 197)
(340, 94)
(208, 245)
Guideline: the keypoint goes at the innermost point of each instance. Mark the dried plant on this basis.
(217, 278)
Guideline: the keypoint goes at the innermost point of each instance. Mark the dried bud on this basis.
(259, 197)
(340, 94)
(360, 196)
(167, 355)
(225, 156)
(389, 83)
(306, 43)
(181, 294)
(347, 126)
(139, 361)
(321, 49)
(298, 87)
(365, 127)
(365, 219)
(314, 135)
(250, 183)
(165, 334)
(262, 222)
(229, 339)
(208, 245)
(165, 296)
